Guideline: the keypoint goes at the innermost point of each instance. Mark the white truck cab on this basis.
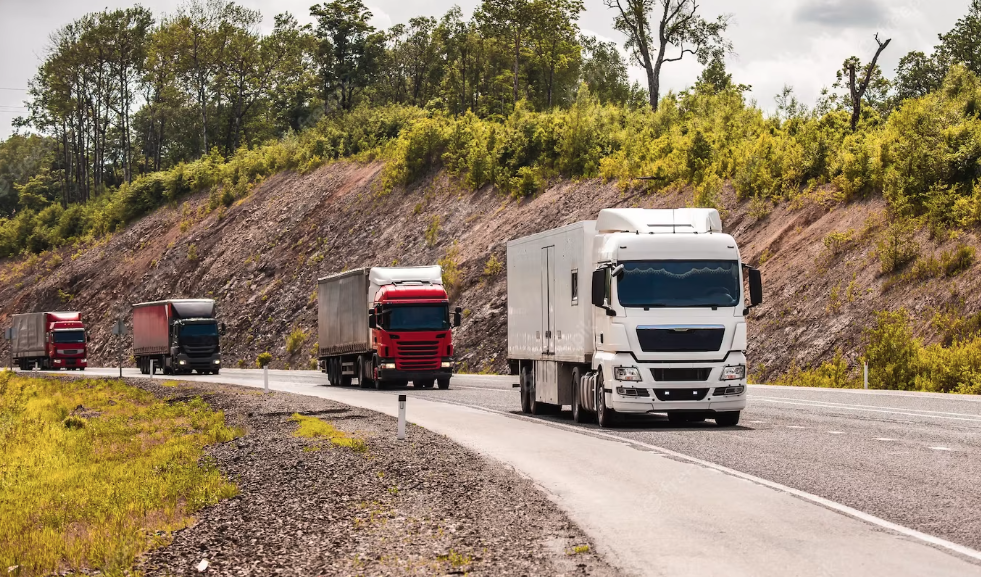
(640, 311)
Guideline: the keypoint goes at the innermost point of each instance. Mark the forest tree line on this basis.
(124, 93)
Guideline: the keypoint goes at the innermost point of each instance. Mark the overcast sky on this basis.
(800, 43)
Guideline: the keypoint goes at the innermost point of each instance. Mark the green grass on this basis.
(314, 428)
(91, 487)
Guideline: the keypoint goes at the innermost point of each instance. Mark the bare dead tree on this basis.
(858, 92)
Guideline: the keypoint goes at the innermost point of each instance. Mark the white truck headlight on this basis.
(388, 366)
(182, 362)
(446, 365)
(218, 362)
(733, 373)
(627, 374)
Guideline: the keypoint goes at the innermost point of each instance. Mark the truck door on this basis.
(548, 300)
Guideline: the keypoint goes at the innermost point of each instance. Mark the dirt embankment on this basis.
(306, 506)
(261, 257)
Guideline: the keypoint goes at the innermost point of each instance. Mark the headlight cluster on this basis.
(733, 373)
(218, 361)
(627, 374)
(446, 365)
(182, 362)
(388, 365)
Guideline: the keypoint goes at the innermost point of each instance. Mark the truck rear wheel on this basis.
(579, 414)
(362, 370)
(443, 383)
(523, 384)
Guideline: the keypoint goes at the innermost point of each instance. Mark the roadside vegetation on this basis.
(93, 472)
(899, 360)
(314, 428)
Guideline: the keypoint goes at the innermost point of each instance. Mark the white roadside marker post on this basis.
(401, 433)
(866, 375)
(151, 369)
(265, 379)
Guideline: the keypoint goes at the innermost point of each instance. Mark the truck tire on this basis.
(605, 416)
(727, 419)
(579, 414)
(523, 384)
(443, 383)
(332, 377)
(361, 369)
(538, 407)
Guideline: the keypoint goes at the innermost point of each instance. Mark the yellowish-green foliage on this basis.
(897, 246)
(579, 550)
(493, 266)
(314, 428)
(833, 374)
(295, 340)
(919, 158)
(192, 252)
(90, 488)
(263, 360)
(897, 360)
(836, 242)
(450, 266)
(950, 263)
(432, 232)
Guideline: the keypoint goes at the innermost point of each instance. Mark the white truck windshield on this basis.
(679, 283)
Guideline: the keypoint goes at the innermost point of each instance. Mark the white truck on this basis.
(639, 311)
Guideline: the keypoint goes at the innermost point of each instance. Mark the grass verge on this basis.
(314, 428)
(95, 472)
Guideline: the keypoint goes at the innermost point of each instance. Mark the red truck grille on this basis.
(417, 355)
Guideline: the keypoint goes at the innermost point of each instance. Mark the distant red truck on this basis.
(50, 340)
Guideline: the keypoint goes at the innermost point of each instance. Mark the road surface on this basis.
(813, 481)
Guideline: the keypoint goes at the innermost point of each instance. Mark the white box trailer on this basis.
(640, 311)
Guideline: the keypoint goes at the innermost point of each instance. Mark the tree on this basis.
(605, 71)
(960, 45)
(553, 36)
(21, 158)
(680, 26)
(871, 77)
(917, 75)
(350, 50)
(507, 20)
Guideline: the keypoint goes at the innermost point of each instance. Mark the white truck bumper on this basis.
(699, 394)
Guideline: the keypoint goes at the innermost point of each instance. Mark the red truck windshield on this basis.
(416, 318)
(69, 336)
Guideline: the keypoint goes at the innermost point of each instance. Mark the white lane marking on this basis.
(755, 421)
(835, 433)
(843, 509)
(874, 392)
(884, 439)
(941, 449)
(795, 427)
(831, 404)
(968, 418)
(512, 390)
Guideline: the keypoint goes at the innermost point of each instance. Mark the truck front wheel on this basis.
(443, 383)
(727, 419)
(606, 416)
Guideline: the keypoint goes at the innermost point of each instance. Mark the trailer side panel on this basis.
(29, 340)
(342, 313)
(151, 329)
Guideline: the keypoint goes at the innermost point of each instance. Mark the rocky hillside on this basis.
(261, 257)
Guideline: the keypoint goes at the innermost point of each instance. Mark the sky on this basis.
(798, 43)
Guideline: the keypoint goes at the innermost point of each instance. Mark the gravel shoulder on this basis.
(423, 506)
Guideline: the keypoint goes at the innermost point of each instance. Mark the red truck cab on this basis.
(67, 341)
(412, 336)
(50, 340)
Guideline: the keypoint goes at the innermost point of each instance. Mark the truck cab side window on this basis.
(575, 288)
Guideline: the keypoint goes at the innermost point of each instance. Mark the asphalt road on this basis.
(910, 459)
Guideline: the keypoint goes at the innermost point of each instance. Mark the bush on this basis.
(833, 374)
(891, 352)
(451, 270)
(295, 340)
(897, 247)
(836, 242)
(263, 360)
(493, 266)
